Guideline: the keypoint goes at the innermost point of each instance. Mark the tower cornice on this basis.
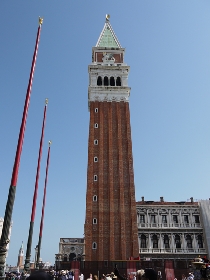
(102, 68)
(108, 94)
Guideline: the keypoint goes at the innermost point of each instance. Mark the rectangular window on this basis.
(175, 219)
(166, 241)
(142, 219)
(155, 244)
(96, 110)
(186, 220)
(197, 220)
(95, 142)
(143, 243)
(153, 219)
(164, 219)
(95, 178)
(95, 159)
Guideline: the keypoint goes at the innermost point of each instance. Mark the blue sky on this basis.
(168, 49)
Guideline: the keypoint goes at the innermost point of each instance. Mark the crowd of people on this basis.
(150, 274)
(143, 274)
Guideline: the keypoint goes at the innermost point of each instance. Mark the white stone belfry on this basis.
(108, 74)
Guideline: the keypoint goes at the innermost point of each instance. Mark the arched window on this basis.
(95, 198)
(118, 82)
(106, 81)
(143, 241)
(72, 256)
(94, 221)
(94, 245)
(189, 241)
(155, 241)
(177, 241)
(200, 241)
(112, 82)
(99, 81)
(166, 241)
(65, 258)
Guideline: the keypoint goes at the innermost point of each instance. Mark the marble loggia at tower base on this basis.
(110, 224)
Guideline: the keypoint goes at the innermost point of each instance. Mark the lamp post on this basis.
(11, 196)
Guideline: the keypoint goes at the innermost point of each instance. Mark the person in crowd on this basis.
(95, 277)
(39, 275)
(190, 276)
(183, 277)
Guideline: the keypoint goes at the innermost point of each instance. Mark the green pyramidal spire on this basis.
(107, 38)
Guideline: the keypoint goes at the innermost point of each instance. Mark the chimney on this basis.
(161, 199)
(191, 200)
(142, 198)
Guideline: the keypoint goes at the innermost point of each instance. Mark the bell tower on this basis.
(20, 256)
(111, 220)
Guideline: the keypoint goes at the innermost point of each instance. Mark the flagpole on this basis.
(33, 211)
(11, 196)
(43, 208)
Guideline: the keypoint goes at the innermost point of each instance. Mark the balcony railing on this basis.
(173, 251)
(168, 225)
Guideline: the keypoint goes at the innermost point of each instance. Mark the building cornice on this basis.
(108, 94)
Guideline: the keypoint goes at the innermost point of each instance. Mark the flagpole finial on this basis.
(50, 142)
(46, 101)
(40, 21)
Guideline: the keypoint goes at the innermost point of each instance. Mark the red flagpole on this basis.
(11, 196)
(43, 208)
(33, 211)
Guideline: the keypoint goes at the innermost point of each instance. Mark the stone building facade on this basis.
(70, 249)
(170, 230)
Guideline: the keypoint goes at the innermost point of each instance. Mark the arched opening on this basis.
(118, 82)
(112, 81)
(200, 241)
(189, 241)
(99, 81)
(155, 241)
(72, 256)
(177, 241)
(166, 241)
(106, 81)
(143, 241)
(65, 258)
(79, 257)
(94, 245)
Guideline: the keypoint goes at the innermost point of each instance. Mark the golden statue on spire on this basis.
(40, 21)
(107, 17)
